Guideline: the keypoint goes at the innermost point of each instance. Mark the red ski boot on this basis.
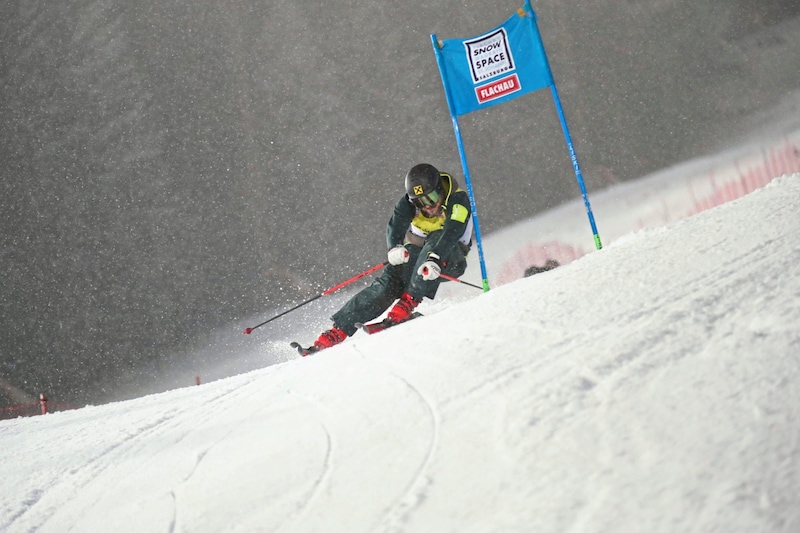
(328, 338)
(403, 309)
(332, 337)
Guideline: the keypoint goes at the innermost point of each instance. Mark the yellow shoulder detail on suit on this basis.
(459, 213)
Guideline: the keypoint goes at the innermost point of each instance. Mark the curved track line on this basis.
(303, 506)
(414, 493)
(99, 463)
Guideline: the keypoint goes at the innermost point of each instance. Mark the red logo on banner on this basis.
(497, 89)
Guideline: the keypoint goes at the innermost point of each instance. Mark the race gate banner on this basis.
(495, 67)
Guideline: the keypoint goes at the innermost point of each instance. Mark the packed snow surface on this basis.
(650, 386)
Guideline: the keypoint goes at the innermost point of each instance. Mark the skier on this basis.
(429, 233)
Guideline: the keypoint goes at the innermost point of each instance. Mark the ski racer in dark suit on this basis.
(429, 233)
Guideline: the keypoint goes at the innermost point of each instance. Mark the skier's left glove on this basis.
(430, 269)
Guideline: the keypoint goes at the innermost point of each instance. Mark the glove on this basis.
(398, 255)
(430, 269)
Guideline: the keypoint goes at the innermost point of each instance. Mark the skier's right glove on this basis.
(398, 255)
(430, 269)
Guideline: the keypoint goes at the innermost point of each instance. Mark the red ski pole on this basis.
(335, 288)
(451, 278)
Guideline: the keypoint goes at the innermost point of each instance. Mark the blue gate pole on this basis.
(575, 165)
(464, 166)
(567, 137)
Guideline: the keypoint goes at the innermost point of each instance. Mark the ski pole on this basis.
(451, 278)
(335, 288)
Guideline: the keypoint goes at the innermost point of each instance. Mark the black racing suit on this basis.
(449, 235)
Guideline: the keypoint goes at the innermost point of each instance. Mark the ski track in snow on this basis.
(198, 458)
(81, 476)
(414, 493)
(321, 482)
(104, 462)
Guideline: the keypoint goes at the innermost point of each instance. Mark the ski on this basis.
(376, 327)
(370, 329)
(304, 351)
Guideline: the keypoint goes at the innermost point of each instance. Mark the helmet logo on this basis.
(418, 190)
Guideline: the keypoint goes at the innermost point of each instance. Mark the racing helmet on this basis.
(424, 185)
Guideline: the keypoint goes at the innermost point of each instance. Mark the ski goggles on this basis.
(428, 200)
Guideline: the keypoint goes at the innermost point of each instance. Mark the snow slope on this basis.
(652, 386)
